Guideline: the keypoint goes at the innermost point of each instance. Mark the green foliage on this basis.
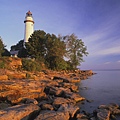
(36, 45)
(56, 63)
(1, 47)
(18, 46)
(6, 53)
(30, 65)
(22, 53)
(55, 47)
(75, 50)
(2, 64)
(46, 48)
(28, 75)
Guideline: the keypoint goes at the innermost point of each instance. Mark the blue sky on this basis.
(96, 22)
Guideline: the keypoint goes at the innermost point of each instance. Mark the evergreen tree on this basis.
(6, 53)
(18, 46)
(36, 45)
(1, 47)
(46, 48)
(56, 50)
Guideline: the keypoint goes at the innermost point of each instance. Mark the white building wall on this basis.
(29, 28)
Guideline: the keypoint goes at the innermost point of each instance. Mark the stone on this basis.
(89, 101)
(60, 78)
(71, 86)
(74, 80)
(15, 63)
(112, 107)
(70, 108)
(47, 107)
(53, 115)
(3, 77)
(74, 96)
(17, 76)
(103, 114)
(4, 105)
(81, 116)
(59, 100)
(19, 112)
(30, 100)
(55, 91)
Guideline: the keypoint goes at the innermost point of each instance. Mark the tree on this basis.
(1, 47)
(46, 48)
(56, 49)
(18, 46)
(6, 53)
(36, 45)
(22, 53)
(75, 50)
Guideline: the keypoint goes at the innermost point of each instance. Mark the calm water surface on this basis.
(101, 88)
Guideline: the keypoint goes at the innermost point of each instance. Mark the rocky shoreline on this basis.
(46, 95)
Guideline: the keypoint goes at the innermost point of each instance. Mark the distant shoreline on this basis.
(106, 69)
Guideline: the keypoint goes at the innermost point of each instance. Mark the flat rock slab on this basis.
(59, 101)
(18, 112)
(103, 114)
(53, 115)
(70, 108)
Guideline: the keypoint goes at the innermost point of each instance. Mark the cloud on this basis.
(103, 41)
(108, 51)
(107, 62)
(118, 61)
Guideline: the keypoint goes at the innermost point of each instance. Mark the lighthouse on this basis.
(29, 26)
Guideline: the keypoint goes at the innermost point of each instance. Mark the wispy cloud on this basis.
(105, 40)
(107, 62)
(118, 61)
(108, 51)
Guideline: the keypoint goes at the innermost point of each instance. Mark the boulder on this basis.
(53, 115)
(71, 86)
(47, 107)
(103, 114)
(59, 101)
(19, 112)
(74, 80)
(60, 78)
(56, 91)
(29, 100)
(74, 96)
(70, 108)
(15, 63)
(113, 108)
(3, 77)
(17, 76)
(4, 105)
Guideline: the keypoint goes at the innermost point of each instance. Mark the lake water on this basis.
(101, 88)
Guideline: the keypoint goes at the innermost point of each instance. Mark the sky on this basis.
(96, 22)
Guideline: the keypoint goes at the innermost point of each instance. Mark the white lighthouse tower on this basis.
(29, 26)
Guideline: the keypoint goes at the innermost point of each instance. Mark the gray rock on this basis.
(70, 108)
(47, 107)
(53, 115)
(103, 114)
(19, 112)
(59, 101)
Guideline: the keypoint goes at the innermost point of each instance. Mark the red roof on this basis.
(29, 13)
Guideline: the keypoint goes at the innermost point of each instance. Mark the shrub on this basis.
(56, 63)
(2, 64)
(30, 65)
